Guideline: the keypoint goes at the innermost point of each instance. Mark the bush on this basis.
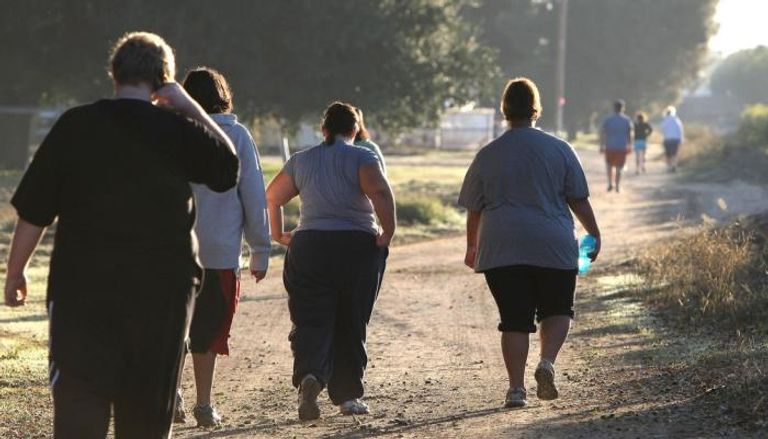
(413, 210)
(717, 274)
(754, 126)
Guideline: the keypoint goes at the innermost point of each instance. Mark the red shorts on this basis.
(616, 158)
(215, 308)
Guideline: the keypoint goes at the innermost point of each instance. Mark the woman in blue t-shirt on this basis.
(335, 261)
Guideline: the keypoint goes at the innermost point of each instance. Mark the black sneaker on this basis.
(206, 416)
(309, 388)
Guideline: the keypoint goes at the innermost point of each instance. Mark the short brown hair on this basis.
(142, 57)
(210, 89)
(339, 119)
(521, 100)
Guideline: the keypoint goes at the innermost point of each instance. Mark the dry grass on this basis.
(714, 284)
(716, 274)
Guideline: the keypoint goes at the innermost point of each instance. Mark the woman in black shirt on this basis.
(642, 130)
(123, 275)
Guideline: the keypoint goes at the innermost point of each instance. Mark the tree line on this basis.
(403, 61)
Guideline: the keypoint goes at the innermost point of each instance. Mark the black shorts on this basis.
(523, 292)
(671, 146)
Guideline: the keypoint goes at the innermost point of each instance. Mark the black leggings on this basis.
(332, 279)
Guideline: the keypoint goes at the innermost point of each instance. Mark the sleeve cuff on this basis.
(259, 260)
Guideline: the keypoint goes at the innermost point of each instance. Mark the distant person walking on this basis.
(616, 143)
(520, 235)
(642, 130)
(335, 260)
(363, 139)
(123, 275)
(672, 130)
(223, 219)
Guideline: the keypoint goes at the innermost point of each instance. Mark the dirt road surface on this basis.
(435, 363)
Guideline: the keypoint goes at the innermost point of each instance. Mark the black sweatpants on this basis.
(124, 360)
(332, 279)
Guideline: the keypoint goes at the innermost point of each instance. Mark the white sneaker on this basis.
(354, 407)
(515, 397)
(545, 380)
(309, 388)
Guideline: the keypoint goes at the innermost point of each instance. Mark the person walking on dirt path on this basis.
(335, 261)
(223, 219)
(616, 143)
(672, 129)
(520, 235)
(642, 130)
(363, 138)
(123, 272)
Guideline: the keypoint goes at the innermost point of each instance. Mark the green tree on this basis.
(402, 60)
(644, 51)
(742, 75)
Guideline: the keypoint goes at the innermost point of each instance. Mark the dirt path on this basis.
(436, 368)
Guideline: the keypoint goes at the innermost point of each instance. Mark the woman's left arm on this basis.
(582, 208)
(376, 187)
(25, 240)
(280, 191)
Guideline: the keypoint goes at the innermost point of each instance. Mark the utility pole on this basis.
(562, 29)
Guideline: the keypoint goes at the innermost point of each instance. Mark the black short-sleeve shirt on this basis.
(116, 173)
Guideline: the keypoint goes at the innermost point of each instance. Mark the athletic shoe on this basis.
(308, 390)
(354, 407)
(179, 414)
(206, 416)
(516, 397)
(545, 380)
(610, 188)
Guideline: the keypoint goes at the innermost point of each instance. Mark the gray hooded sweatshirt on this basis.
(224, 218)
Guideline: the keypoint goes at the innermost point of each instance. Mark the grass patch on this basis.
(25, 405)
(708, 157)
(714, 285)
(717, 275)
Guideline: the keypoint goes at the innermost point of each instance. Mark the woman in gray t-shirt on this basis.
(335, 261)
(519, 193)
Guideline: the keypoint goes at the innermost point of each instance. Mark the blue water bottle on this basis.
(586, 247)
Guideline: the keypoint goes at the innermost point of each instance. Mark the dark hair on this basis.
(640, 116)
(362, 133)
(210, 89)
(339, 119)
(618, 105)
(142, 57)
(521, 100)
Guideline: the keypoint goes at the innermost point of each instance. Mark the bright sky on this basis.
(742, 25)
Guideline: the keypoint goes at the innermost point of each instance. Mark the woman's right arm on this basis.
(582, 208)
(280, 191)
(473, 224)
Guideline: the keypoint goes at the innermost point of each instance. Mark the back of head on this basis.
(210, 89)
(521, 101)
(670, 111)
(640, 116)
(340, 119)
(142, 58)
(618, 105)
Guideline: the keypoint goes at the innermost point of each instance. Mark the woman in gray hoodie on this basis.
(223, 219)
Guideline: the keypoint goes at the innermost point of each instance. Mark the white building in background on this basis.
(466, 128)
(463, 128)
